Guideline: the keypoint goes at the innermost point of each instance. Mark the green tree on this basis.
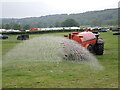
(57, 24)
(0, 26)
(16, 27)
(69, 23)
(96, 22)
(26, 27)
(6, 26)
(51, 26)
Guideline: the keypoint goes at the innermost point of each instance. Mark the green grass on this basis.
(65, 74)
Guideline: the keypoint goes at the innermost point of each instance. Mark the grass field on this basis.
(64, 75)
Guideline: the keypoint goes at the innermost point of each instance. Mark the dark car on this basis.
(117, 33)
(3, 36)
(23, 37)
(116, 29)
(102, 30)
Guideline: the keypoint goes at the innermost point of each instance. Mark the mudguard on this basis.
(100, 41)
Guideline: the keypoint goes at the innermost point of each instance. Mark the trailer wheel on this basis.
(99, 49)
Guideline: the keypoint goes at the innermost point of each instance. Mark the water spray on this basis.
(50, 49)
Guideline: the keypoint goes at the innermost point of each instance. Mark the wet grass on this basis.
(65, 74)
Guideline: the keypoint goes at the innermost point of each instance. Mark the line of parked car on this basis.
(19, 37)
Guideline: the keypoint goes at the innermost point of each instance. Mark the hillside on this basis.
(101, 17)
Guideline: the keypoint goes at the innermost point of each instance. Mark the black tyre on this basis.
(90, 49)
(99, 49)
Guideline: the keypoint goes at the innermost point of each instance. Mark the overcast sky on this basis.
(36, 8)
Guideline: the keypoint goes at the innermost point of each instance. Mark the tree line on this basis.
(15, 26)
(66, 23)
(92, 18)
